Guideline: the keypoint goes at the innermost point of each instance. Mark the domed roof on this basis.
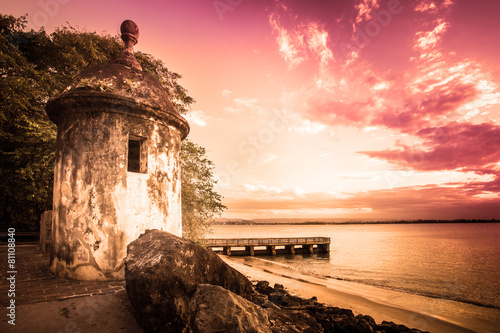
(122, 83)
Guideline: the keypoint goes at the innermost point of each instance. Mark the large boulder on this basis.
(216, 310)
(162, 274)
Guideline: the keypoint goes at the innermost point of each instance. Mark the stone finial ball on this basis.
(129, 28)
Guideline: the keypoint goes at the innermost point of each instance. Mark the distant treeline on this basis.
(250, 222)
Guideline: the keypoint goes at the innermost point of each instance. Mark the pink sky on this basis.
(366, 109)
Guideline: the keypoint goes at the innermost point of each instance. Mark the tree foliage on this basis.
(35, 66)
(200, 203)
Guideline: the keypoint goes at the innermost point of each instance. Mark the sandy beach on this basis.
(411, 310)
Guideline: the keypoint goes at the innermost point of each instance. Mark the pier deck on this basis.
(268, 246)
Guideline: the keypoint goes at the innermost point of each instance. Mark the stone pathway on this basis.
(34, 283)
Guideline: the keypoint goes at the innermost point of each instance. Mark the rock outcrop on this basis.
(162, 274)
(296, 314)
(216, 309)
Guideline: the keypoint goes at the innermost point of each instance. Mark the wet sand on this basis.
(414, 311)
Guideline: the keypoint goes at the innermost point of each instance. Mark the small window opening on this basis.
(137, 154)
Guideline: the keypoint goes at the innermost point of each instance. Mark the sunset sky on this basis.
(363, 109)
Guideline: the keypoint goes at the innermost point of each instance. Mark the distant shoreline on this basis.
(251, 222)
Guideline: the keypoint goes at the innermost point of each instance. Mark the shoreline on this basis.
(414, 311)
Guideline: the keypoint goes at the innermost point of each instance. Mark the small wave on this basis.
(382, 286)
(414, 292)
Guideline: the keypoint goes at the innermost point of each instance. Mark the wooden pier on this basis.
(268, 246)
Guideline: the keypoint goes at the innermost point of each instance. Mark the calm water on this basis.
(459, 262)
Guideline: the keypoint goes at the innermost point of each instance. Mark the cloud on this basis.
(429, 6)
(436, 87)
(290, 44)
(305, 126)
(429, 39)
(340, 113)
(262, 189)
(317, 40)
(438, 105)
(450, 147)
(268, 157)
(308, 40)
(242, 104)
(295, 122)
(426, 6)
(354, 93)
(493, 186)
(342, 98)
(198, 117)
(226, 93)
(246, 102)
(364, 9)
(426, 108)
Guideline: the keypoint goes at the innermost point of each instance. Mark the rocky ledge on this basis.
(176, 285)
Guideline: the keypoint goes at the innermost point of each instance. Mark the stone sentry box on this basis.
(117, 167)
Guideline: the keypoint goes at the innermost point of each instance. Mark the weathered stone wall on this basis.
(100, 207)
